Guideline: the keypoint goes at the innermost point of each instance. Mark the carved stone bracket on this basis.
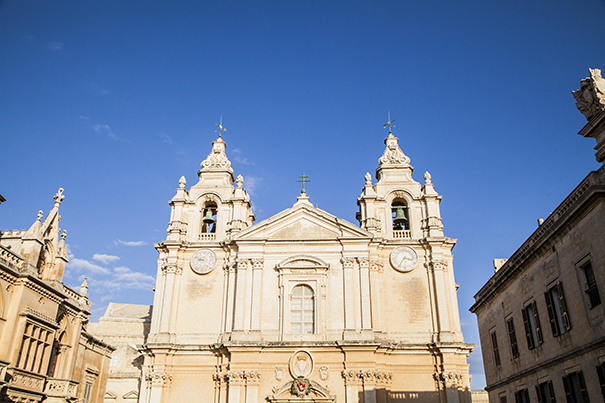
(347, 262)
(449, 379)
(258, 264)
(239, 378)
(364, 262)
(172, 269)
(439, 265)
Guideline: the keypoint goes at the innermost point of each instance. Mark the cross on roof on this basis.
(303, 179)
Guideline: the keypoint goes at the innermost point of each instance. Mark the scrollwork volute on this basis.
(392, 154)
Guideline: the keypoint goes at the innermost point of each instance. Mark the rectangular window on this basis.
(591, 285)
(575, 388)
(546, 392)
(522, 396)
(601, 375)
(35, 347)
(512, 338)
(557, 310)
(531, 320)
(502, 398)
(495, 349)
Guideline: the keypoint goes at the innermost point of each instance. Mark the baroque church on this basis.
(301, 307)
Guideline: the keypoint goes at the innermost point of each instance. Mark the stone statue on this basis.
(590, 98)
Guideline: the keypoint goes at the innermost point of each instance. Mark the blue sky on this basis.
(115, 100)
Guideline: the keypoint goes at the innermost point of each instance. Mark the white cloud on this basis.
(167, 139)
(54, 45)
(82, 264)
(105, 258)
(105, 129)
(130, 243)
(250, 183)
(124, 278)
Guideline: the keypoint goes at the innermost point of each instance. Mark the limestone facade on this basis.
(305, 306)
(124, 326)
(541, 319)
(46, 352)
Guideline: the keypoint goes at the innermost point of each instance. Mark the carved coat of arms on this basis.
(300, 386)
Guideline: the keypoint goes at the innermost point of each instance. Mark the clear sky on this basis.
(116, 100)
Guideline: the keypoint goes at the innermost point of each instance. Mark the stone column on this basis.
(168, 272)
(349, 301)
(156, 382)
(369, 386)
(441, 300)
(353, 385)
(236, 382)
(252, 381)
(240, 294)
(364, 281)
(228, 313)
(257, 278)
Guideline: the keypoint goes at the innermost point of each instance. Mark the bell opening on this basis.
(209, 220)
(400, 215)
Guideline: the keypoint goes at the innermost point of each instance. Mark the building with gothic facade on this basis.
(46, 354)
(303, 306)
(541, 317)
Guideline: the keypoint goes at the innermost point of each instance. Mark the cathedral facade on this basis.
(305, 306)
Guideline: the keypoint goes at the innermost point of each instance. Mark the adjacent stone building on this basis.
(305, 306)
(46, 354)
(541, 318)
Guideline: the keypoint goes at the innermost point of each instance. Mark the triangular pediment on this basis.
(303, 221)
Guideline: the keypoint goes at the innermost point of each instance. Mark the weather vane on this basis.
(221, 129)
(389, 124)
(304, 179)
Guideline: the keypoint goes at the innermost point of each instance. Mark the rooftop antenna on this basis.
(221, 129)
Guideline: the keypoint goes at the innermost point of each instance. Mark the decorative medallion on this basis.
(301, 364)
(404, 259)
(300, 387)
(203, 261)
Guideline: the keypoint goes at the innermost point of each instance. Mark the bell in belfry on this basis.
(399, 221)
(208, 217)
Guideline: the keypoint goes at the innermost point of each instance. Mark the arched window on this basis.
(302, 310)
(208, 219)
(400, 215)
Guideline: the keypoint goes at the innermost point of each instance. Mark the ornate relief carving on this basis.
(280, 372)
(158, 378)
(242, 264)
(449, 379)
(172, 269)
(217, 157)
(364, 262)
(301, 364)
(25, 380)
(323, 373)
(439, 265)
(240, 378)
(590, 98)
(392, 153)
(347, 262)
(258, 263)
(376, 265)
(371, 376)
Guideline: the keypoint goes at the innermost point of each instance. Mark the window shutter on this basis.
(601, 374)
(551, 392)
(530, 343)
(583, 391)
(539, 394)
(567, 386)
(537, 318)
(563, 306)
(551, 313)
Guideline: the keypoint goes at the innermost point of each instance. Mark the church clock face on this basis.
(404, 259)
(203, 261)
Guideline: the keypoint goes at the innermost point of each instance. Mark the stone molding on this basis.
(25, 380)
(449, 379)
(64, 388)
(237, 378)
